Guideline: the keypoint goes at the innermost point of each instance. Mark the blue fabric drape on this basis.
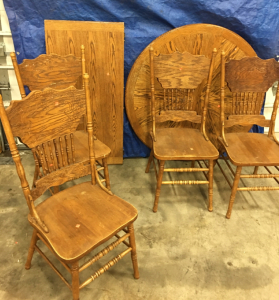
(256, 21)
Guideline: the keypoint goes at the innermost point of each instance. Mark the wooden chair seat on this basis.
(183, 144)
(78, 222)
(82, 151)
(252, 149)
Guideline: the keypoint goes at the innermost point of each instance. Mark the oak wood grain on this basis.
(198, 39)
(262, 74)
(247, 120)
(104, 57)
(248, 78)
(58, 116)
(192, 70)
(74, 221)
(55, 71)
(42, 71)
(178, 116)
(181, 75)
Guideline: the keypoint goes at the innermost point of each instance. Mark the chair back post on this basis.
(208, 87)
(19, 167)
(151, 54)
(18, 77)
(15, 153)
(90, 129)
(274, 113)
(83, 71)
(222, 96)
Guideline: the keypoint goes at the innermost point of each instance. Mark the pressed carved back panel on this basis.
(249, 79)
(45, 121)
(55, 71)
(181, 70)
(251, 74)
(37, 121)
(181, 76)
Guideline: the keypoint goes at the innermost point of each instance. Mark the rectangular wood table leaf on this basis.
(104, 58)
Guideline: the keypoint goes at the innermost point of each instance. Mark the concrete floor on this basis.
(184, 251)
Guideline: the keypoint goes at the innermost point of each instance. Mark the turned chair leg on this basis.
(159, 183)
(134, 251)
(106, 172)
(256, 170)
(31, 250)
(75, 280)
(210, 186)
(234, 190)
(149, 161)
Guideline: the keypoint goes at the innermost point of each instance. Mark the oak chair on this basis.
(59, 72)
(248, 79)
(75, 221)
(181, 75)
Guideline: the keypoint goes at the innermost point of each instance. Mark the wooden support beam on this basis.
(105, 268)
(229, 166)
(49, 248)
(104, 252)
(185, 182)
(271, 173)
(124, 242)
(52, 266)
(186, 170)
(199, 163)
(260, 176)
(259, 188)
(224, 174)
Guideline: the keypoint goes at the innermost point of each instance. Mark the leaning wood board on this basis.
(104, 58)
(198, 39)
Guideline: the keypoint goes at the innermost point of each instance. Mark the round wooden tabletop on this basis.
(198, 39)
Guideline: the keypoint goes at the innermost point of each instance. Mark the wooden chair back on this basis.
(180, 75)
(53, 71)
(248, 79)
(45, 121)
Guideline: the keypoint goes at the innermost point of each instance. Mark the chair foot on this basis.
(132, 241)
(228, 216)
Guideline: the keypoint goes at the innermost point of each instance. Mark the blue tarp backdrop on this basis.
(257, 21)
